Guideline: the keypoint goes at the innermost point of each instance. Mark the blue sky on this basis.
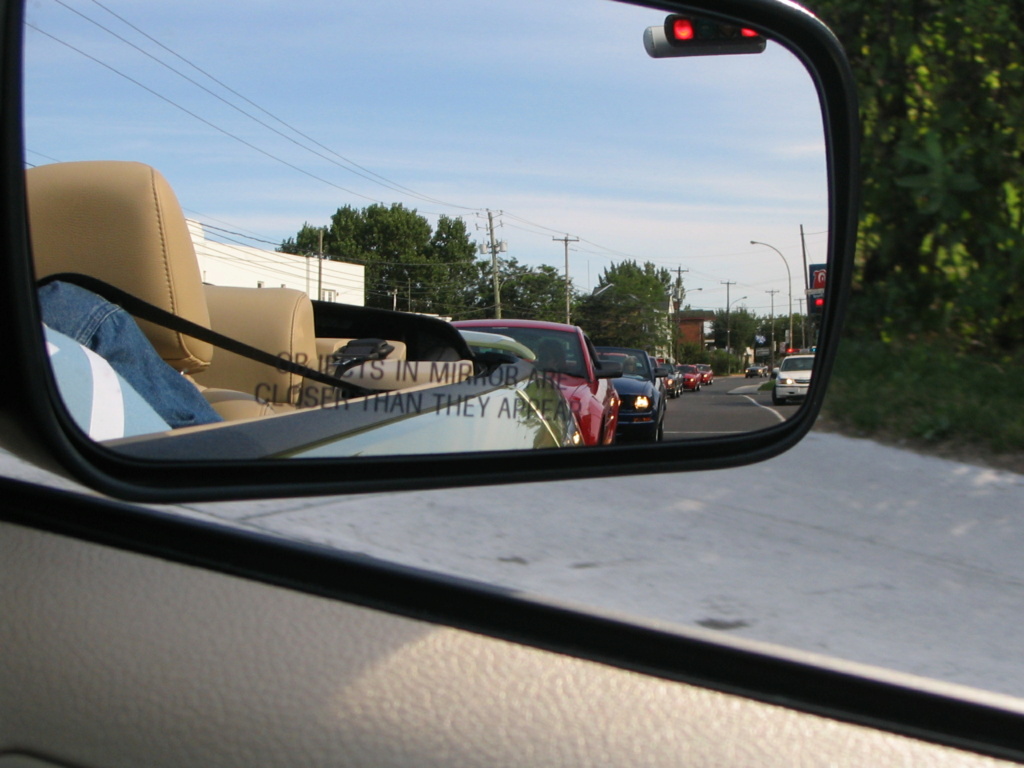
(550, 113)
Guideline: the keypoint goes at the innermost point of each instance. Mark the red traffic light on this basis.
(815, 302)
(682, 28)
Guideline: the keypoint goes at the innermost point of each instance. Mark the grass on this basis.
(928, 396)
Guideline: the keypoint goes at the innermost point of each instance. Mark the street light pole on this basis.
(789, 282)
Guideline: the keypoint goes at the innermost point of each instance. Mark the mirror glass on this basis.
(516, 229)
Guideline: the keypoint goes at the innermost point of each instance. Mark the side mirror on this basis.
(424, 407)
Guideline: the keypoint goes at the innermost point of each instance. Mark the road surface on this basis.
(732, 404)
(840, 546)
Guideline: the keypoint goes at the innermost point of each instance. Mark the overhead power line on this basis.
(341, 161)
(305, 142)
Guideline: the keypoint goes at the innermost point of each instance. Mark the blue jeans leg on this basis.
(112, 333)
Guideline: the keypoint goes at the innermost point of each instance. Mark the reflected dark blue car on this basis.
(642, 407)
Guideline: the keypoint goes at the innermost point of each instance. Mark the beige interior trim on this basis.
(117, 659)
(231, 405)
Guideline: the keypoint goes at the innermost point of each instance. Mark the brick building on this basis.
(694, 326)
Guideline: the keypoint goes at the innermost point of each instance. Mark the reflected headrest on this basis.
(121, 222)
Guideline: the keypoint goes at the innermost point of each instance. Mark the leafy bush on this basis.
(927, 391)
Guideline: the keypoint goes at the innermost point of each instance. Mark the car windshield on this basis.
(635, 363)
(556, 351)
(797, 364)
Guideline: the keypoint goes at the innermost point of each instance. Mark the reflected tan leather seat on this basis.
(275, 320)
(121, 222)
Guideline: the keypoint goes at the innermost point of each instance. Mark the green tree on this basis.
(629, 307)
(527, 293)
(447, 285)
(736, 329)
(941, 87)
(409, 265)
(803, 330)
(691, 352)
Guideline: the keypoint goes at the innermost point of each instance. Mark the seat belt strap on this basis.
(363, 350)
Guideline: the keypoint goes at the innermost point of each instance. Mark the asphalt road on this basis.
(842, 547)
(731, 405)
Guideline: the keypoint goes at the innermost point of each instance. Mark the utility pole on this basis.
(320, 268)
(568, 303)
(803, 247)
(771, 356)
(673, 315)
(728, 329)
(679, 287)
(494, 265)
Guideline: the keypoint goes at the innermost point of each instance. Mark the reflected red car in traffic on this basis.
(690, 377)
(566, 355)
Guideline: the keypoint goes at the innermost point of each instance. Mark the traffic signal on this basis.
(692, 36)
(815, 302)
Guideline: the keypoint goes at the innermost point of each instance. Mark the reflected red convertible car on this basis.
(707, 376)
(690, 377)
(565, 354)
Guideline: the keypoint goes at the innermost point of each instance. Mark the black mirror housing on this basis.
(37, 426)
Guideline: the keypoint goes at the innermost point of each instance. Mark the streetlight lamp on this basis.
(789, 282)
(728, 334)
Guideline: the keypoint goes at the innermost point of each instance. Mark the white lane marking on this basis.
(778, 415)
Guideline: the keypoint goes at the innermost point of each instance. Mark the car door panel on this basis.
(115, 658)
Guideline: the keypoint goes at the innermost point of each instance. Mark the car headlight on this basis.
(787, 382)
(642, 403)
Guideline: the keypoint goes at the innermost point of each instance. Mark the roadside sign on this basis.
(818, 276)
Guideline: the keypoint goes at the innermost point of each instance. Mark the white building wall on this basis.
(244, 266)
